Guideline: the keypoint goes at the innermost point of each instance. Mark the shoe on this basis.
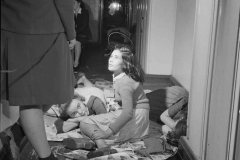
(78, 143)
(8, 147)
(101, 152)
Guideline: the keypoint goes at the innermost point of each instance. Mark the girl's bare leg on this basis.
(77, 53)
(88, 129)
(31, 118)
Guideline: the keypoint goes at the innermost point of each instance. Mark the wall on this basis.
(134, 11)
(93, 7)
(203, 36)
(161, 37)
(183, 42)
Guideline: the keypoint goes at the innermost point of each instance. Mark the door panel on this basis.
(142, 28)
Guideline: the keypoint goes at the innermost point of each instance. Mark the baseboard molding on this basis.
(156, 78)
(185, 152)
(153, 82)
(175, 82)
(163, 78)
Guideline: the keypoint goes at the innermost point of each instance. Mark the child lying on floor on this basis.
(175, 120)
(88, 100)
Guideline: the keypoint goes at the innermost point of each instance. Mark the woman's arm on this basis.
(66, 14)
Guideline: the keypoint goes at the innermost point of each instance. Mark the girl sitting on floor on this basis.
(132, 121)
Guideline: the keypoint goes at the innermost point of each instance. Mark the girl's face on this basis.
(77, 109)
(75, 4)
(115, 62)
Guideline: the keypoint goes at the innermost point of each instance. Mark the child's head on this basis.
(74, 108)
(179, 130)
(122, 60)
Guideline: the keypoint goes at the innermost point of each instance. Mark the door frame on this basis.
(234, 146)
(143, 17)
(222, 98)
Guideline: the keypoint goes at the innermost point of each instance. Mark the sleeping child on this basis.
(175, 120)
(88, 100)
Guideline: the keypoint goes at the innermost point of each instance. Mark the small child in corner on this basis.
(175, 120)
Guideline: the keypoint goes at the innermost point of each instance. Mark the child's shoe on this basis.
(101, 152)
(78, 143)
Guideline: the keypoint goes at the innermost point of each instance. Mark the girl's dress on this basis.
(132, 120)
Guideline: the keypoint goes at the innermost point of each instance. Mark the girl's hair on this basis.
(81, 4)
(63, 108)
(130, 66)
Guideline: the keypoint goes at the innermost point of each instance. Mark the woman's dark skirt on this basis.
(36, 69)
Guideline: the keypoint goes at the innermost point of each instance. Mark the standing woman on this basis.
(36, 38)
(130, 122)
(83, 33)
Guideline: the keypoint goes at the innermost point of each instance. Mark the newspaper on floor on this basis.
(116, 156)
(76, 154)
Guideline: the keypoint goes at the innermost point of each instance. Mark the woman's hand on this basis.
(100, 134)
(72, 43)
